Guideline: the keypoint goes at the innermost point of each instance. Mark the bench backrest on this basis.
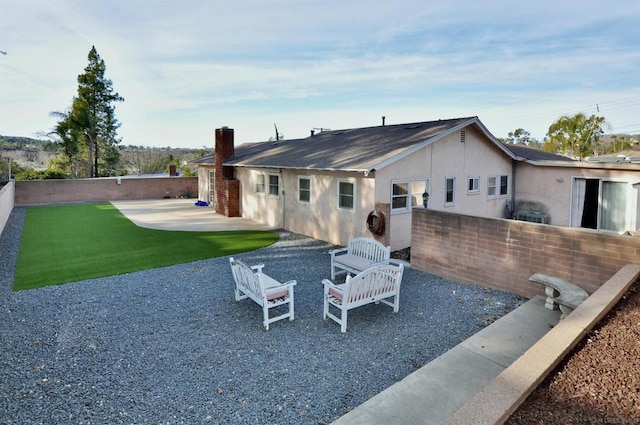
(373, 283)
(369, 248)
(247, 279)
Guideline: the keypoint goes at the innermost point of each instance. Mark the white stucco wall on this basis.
(551, 186)
(262, 208)
(320, 218)
(447, 158)
(203, 183)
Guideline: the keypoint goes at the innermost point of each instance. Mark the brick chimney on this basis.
(227, 188)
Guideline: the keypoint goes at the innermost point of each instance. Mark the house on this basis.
(365, 181)
(600, 195)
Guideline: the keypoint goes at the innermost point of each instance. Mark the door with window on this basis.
(600, 204)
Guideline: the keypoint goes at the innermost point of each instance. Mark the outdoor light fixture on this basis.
(425, 199)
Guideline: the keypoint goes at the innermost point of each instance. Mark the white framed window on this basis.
(473, 185)
(346, 194)
(450, 191)
(497, 186)
(407, 194)
(260, 183)
(274, 185)
(304, 189)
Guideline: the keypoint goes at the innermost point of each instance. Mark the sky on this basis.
(187, 67)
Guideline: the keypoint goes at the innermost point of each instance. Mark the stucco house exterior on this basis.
(335, 184)
(602, 195)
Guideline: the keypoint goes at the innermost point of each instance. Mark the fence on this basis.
(6, 202)
(42, 192)
(503, 254)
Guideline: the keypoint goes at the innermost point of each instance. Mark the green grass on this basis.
(62, 244)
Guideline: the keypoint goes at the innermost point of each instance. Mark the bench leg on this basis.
(343, 319)
(291, 305)
(265, 316)
(551, 294)
(566, 310)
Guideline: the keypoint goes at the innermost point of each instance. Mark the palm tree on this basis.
(63, 135)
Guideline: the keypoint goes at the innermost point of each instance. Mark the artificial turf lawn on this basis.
(69, 243)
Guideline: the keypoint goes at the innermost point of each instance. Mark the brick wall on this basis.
(227, 189)
(40, 192)
(503, 253)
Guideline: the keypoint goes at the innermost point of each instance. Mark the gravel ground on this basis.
(599, 381)
(170, 345)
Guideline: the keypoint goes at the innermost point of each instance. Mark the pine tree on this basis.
(93, 113)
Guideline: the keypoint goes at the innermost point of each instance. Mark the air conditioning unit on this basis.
(533, 217)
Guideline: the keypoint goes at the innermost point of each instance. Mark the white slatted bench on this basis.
(263, 290)
(359, 255)
(568, 296)
(374, 285)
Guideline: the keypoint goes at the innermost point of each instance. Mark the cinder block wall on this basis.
(503, 253)
(42, 192)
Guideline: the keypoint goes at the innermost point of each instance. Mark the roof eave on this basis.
(279, 167)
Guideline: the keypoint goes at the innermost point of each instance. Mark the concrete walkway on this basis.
(181, 214)
(437, 390)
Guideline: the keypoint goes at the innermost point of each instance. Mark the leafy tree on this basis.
(575, 135)
(93, 116)
(521, 136)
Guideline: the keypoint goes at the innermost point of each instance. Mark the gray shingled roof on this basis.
(359, 149)
(535, 154)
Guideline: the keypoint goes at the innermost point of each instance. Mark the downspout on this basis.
(284, 204)
(513, 188)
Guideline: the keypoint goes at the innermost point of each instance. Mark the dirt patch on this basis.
(402, 254)
(599, 381)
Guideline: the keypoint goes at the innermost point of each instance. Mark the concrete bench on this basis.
(560, 293)
(359, 255)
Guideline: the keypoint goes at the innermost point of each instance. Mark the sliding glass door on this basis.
(600, 204)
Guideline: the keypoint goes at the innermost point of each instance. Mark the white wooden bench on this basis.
(373, 285)
(568, 296)
(265, 291)
(359, 255)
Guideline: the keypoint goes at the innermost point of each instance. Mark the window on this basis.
(304, 189)
(450, 191)
(260, 183)
(497, 186)
(274, 185)
(346, 195)
(504, 185)
(473, 185)
(407, 194)
(399, 196)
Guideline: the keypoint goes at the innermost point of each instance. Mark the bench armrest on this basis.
(288, 284)
(399, 262)
(338, 251)
(257, 268)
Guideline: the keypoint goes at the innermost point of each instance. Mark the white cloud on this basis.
(187, 67)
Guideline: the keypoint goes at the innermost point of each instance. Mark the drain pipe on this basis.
(513, 188)
(284, 204)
